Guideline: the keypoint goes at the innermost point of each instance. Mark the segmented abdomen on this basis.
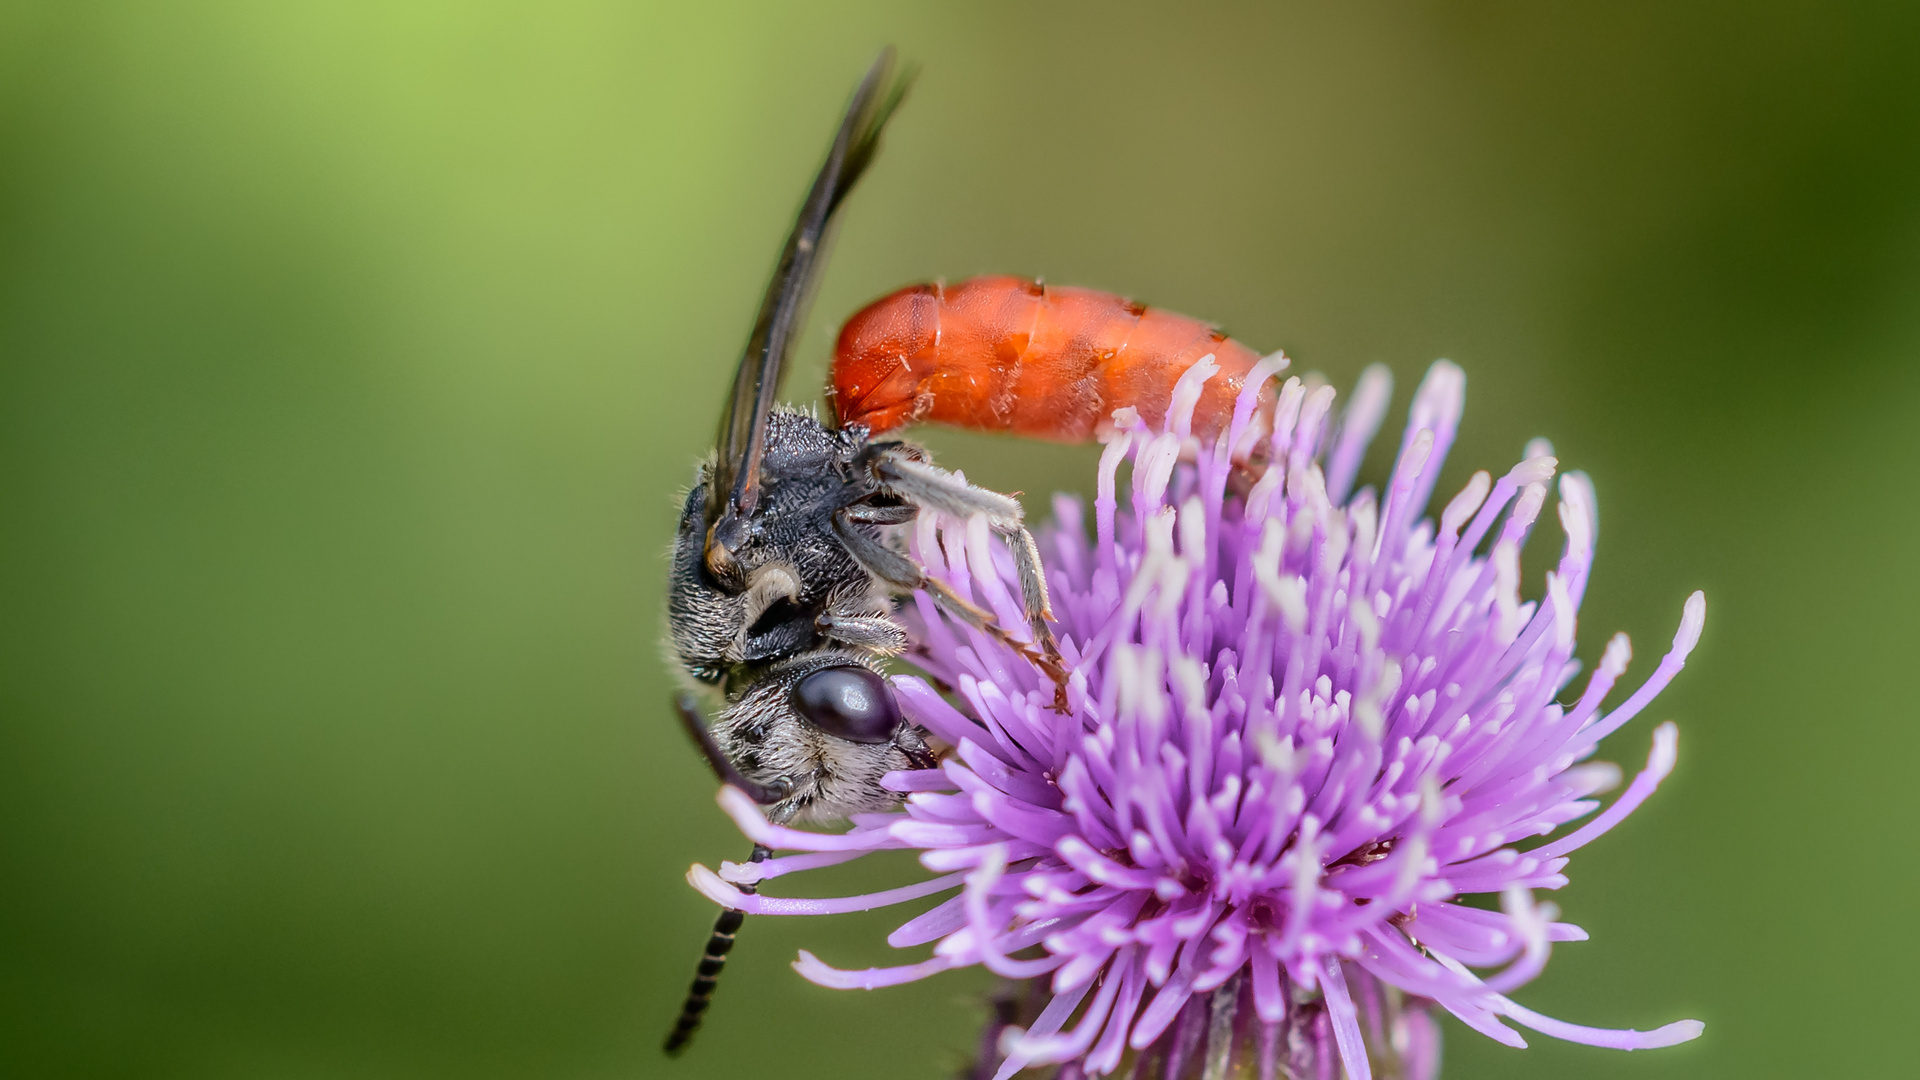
(1009, 354)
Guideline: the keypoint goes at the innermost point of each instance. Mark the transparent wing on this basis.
(743, 427)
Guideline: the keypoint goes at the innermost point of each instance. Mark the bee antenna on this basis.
(723, 767)
(712, 962)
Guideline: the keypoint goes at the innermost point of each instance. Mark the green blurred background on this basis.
(352, 354)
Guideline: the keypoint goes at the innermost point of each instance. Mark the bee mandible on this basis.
(786, 563)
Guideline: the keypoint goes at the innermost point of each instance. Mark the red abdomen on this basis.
(1009, 354)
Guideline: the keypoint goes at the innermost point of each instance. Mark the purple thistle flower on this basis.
(1302, 727)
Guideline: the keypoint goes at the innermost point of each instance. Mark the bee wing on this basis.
(743, 428)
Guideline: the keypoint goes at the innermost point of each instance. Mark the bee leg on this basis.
(903, 573)
(856, 618)
(937, 489)
(1033, 580)
(723, 767)
(924, 484)
(1047, 658)
(874, 634)
(1039, 608)
(934, 488)
(876, 514)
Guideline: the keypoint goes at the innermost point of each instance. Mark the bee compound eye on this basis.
(848, 702)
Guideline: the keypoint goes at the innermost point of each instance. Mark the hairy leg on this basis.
(875, 634)
(903, 573)
(927, 485)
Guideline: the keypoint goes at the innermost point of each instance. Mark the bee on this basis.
(1016, 355)
(786, 563)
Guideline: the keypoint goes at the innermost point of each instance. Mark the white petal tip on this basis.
(1619, 653)
(1534, 470)
(820, 973)
(1691, 620)
(816, 971)
(710, 886)
(1036, 1051)
(1268, 366)
(739, 873)
(1443, 390)
(1673, 1034)
(1666, 749)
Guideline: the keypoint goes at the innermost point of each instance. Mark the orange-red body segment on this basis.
(1009, 354)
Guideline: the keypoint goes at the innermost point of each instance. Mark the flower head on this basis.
(1303, 725)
